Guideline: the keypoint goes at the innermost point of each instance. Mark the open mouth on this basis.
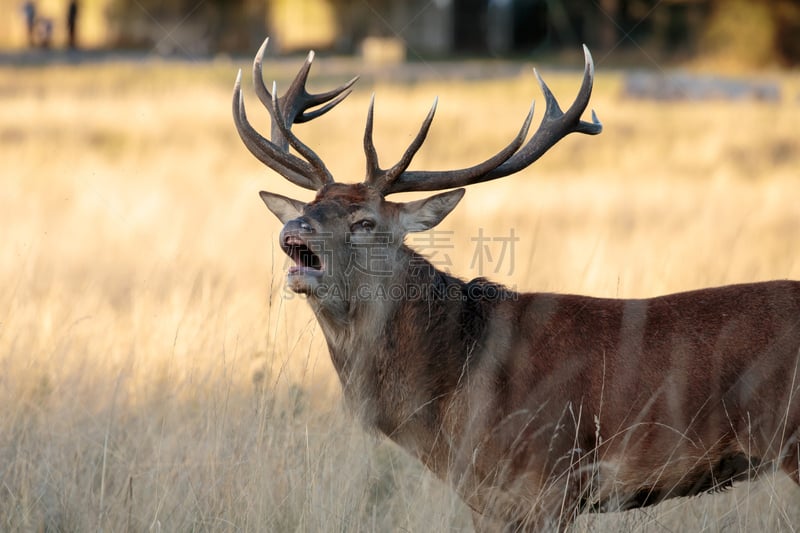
(305, 260)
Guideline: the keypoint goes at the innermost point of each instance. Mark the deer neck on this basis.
(368, 315)
(383, 348)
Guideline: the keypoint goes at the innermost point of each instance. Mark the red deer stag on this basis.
(534, 406)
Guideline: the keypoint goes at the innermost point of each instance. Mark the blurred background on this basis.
(748, 32)
(154, 372)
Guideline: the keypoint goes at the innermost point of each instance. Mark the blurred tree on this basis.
(740, 31)
(357, 19)
(469, 21)
(608, 22)
(786, 14)
(530, 24)
(754, 33)
(747, 32)
(186, 27)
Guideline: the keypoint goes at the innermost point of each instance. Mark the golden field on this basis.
(154, 375)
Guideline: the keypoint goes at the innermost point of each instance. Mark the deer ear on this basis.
(424, 214)
(284, 208)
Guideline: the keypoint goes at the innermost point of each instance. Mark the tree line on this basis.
(757, 32)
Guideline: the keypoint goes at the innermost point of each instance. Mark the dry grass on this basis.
(153, 375)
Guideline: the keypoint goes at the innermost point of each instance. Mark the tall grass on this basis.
(155, 375)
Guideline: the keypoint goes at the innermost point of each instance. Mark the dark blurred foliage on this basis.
(752, 32)
(757, 32)
(187, 27)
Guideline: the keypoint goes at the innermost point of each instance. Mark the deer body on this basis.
(517, 398)
(533, 406)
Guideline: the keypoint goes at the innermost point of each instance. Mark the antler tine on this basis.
(287, 165)
(330, 98)
(373, 168)
(579, 105)
(434, 180)
(321, 171)
(293, 107)
(415, 145)
(555, 125)
(380, 178)
(297, 101)
(258, 77)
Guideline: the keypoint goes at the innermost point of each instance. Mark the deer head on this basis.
(350, 235)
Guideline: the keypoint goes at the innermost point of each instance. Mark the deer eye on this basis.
(363, 225)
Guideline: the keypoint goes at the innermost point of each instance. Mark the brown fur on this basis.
(538, 406)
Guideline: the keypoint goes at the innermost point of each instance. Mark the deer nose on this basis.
(298, 225)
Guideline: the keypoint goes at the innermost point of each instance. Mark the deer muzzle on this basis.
(298, 241)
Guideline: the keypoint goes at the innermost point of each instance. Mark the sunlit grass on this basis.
(153, 372)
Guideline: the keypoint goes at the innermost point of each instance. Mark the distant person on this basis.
(72, 22)
(29, 11)
(44, 32)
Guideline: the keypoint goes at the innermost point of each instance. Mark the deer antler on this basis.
(293, 107)
(555, 125)
(310, 172)
(385, 180)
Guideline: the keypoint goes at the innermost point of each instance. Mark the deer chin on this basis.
(303, 279)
